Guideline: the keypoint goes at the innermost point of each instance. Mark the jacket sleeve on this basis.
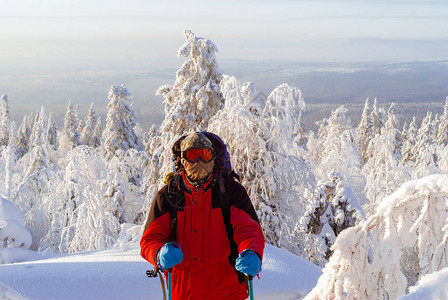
(247, 231)
(157, 228)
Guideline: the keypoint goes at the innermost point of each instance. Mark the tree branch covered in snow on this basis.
(410, 218)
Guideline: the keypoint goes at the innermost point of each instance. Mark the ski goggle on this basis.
(194, 155)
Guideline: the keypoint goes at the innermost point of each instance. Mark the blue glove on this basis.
(248, 263)
(169, 256)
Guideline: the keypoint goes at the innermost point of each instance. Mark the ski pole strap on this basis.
(153, 273)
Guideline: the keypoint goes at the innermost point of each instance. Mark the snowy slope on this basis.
(120, 274)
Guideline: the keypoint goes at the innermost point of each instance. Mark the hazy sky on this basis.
(85, 32)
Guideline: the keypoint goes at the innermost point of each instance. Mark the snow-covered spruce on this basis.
(119, 131)
(193, 99)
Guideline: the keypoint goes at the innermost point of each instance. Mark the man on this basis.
(199, 252)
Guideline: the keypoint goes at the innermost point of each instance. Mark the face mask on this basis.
(197, 171)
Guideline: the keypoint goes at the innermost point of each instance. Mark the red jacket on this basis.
(205, 272)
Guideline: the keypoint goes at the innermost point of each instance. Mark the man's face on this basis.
(199, 170)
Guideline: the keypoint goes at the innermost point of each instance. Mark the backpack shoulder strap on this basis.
(224, 186)
(174, 196)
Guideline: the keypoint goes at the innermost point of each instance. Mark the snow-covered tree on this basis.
(315, 142)
(404, 240)
(339, 153)
(302, 137)
(51, 133)
(38, 161)
(11, 157)
(96, 227)
(97, 133)
(276, 181)
(70, 136)
(194, 98)
(127, 174)
(364, 132)
(83, 167)
(119, 131)
(442, 132)
(425, 149)
(391, 127)
(248, 92)
(377, 118)
(4, 120)
(34, 127)
(384, 171)
(409, 141)
(443, 163)
(335, 209)
(13, 234)
(281, 117)
(36, 179)
(87, 134)
(114, 200)
(152, 133)
(232, 91)
(404, 131)
(38, 133)
(23, 138)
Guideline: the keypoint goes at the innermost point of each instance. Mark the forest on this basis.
(373, 187)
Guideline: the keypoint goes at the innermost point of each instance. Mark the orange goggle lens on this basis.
(194, 155)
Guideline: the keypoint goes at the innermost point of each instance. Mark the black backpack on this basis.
(224, 174)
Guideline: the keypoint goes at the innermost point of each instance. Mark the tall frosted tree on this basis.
(87, 134)
(248, 93)
(391, 126)
(302, 137)
(384, 171)
(51, 134)
(281, 115)
(408, 146)
(119, 131)
(23, 138)
(38, 134)
(442, 133)
(425, 149)
(315, 142)
(4, 120)
(70, 137)
(338, 151)
(10, 158)
(98, 133)
(114, 200)
(364, 132)
(71, 198)
(377, 118)
(195, 96)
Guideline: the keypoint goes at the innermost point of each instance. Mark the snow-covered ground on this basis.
(120, 274)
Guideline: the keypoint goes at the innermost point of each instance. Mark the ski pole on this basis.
(170, 284)
(153, 273)
(251, 287)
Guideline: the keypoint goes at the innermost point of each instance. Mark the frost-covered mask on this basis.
(199, 165)
(197, 171)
